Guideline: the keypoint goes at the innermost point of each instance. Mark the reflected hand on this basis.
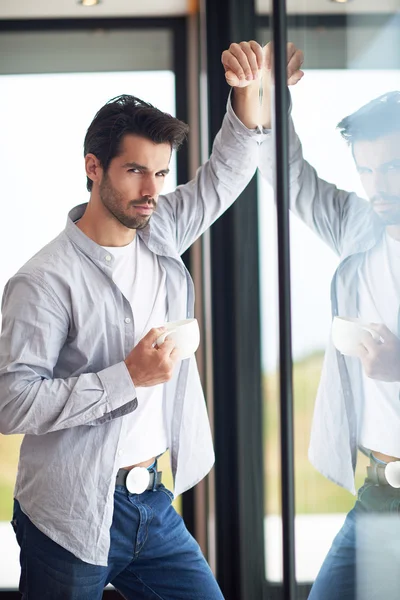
(295, 59)
(242, 63)
(381, 359)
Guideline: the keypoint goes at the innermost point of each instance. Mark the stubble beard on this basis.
(391, 216)
(113, 201)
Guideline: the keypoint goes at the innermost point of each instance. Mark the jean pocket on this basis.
(378, 499)
(394, 507)
(164, 490)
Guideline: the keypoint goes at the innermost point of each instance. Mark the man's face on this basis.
(378, 163)
(134, 180)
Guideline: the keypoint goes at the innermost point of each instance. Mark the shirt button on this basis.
(108, 257)
(120, 452)
(127, 320)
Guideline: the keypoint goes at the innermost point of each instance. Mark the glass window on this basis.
(349, 62)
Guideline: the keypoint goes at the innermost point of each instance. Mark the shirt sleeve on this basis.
(34, 329)
(330, 212)
(192, 208)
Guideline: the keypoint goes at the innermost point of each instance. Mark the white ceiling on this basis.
(20, 9)
(333, 8)
(26, 9)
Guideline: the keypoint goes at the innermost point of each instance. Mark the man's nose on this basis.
(379, 183)
(149, 187)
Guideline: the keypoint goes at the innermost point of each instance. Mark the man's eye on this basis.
(394, 167)
(133, 171)
(161, 174)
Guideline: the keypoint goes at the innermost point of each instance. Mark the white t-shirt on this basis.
(140, 277)
(378, 302)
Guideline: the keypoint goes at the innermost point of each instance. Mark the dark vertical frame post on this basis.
(279, 27)
(236, 345)
(195, 503)
(180, 66)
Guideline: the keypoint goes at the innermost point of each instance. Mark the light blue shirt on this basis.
(66, 331)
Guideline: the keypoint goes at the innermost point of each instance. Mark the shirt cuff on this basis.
(118, 385)
(258, 134)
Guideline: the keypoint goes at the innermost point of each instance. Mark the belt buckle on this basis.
(392, 473)
(137, 481)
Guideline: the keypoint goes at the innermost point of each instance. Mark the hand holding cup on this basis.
(185, 335)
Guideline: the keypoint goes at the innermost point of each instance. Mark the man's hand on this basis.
(381, 359)
(242, 63)
(295, 59)
(149, 365)
(246, 62)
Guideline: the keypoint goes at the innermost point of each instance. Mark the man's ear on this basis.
(93, 167)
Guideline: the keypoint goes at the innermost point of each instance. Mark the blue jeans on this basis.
(152, 556)
(364, 560)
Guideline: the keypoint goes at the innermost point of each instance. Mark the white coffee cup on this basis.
(348, 333)
(185, 334)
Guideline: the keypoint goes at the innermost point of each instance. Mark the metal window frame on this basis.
(313, 20)
(279, 31)
(236, 344)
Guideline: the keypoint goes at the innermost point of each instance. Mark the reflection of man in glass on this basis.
(361, 562)
(82, 375)
(358, 403)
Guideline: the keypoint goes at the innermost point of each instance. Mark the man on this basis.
(358, 398)
(80, 372)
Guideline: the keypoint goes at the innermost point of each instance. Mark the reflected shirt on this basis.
(349, 226)
(378, 302)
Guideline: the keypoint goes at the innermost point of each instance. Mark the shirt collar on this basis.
(371, 230)
(97, 253)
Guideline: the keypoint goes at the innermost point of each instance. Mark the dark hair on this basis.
(129, 115)
(377, 118)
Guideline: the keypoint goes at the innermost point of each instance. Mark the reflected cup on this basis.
(348, 333)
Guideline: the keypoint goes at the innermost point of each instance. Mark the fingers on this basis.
(232, 79)
(291, 51)
(381, 329)
(373, 345)
(231, 63)
(244, 61)
(167, 346)
(295, 78)
(258, 51)
(362, 351)
(152, 336)
(268, 55)
(175, 355)
(369, 344)
(295, 60)
(251, 62)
